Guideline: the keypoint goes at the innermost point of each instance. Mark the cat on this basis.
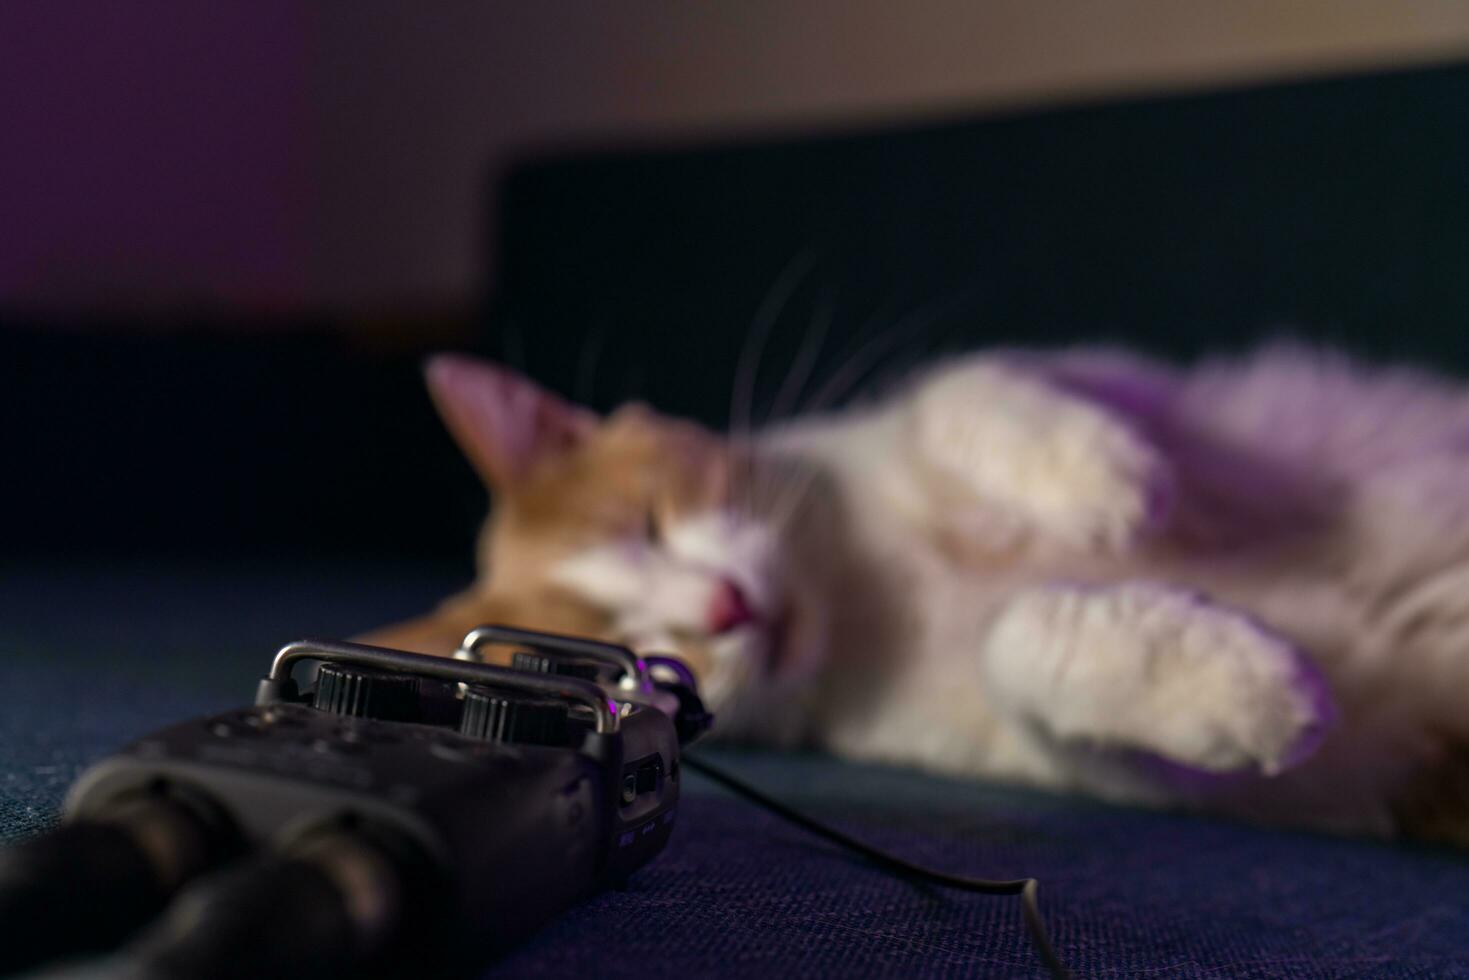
(1241, 586)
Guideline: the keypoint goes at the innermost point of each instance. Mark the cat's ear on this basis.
(503, 422)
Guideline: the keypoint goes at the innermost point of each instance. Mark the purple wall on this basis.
(336, 155)
(154, 153)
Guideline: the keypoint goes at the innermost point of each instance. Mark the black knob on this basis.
(504, 716)
(561, 666)
(359, 693)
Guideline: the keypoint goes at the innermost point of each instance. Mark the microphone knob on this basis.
(494, 715)
(358, 693)
(559, 665)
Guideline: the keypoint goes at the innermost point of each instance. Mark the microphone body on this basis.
(397, 811)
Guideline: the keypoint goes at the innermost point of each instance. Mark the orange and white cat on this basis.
(1242, 586)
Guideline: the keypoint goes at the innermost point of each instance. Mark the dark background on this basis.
(1334, 209)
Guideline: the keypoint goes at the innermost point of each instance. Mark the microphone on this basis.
(88, 884)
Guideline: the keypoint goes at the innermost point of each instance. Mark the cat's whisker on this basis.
(870, 354)
(742, 394)
(790, 390)
(739, 497)
(779, 499)
(774, 493)
(799, 372)
(801, 368)
(740, 478)
(794, 493)
(771, 496)
(747, 372)
(935, 350)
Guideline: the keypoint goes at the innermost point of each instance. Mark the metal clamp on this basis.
(604, 710)
(634, 668)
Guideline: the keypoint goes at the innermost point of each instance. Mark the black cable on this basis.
(1024, 887)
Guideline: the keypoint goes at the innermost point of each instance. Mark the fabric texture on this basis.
(90, 658)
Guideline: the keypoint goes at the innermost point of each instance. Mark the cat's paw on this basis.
(1071, 471)
(1161, 670)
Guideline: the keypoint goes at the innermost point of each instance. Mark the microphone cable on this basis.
(1024, 887)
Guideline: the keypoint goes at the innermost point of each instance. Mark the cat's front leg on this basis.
(1147, 667)
(1005, 453)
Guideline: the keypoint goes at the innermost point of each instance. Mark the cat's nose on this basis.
(727, 608)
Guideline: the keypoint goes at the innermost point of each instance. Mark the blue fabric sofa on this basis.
(93, 656)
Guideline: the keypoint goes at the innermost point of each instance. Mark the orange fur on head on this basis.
(562, 480)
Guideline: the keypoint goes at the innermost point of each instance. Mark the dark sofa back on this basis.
(1338, 209)
(1335, 209)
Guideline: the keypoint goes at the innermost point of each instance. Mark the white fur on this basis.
(663, 590)
(1147, 666)
(1063, 568)
(1061, 468)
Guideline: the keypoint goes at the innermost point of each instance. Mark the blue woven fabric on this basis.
(90, 658)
